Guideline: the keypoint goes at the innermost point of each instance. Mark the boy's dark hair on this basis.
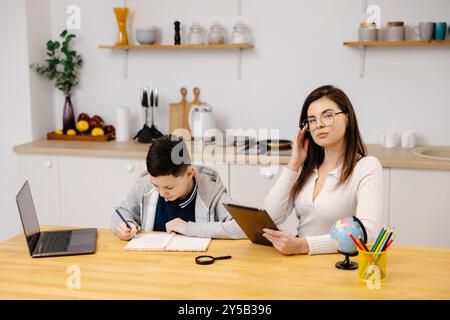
(168, 155)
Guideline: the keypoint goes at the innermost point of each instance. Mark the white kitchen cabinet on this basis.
(420, 206)
(91, 187)
(41, 171)
(250, 184)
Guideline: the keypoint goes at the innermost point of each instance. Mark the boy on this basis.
(175, 196)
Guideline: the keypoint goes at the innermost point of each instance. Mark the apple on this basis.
(109, 129)
(94, 123)
(100, 120)
(83, 116)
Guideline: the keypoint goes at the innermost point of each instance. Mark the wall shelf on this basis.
(177, 47)
(363, 45)
(238, 47)
(396, 43)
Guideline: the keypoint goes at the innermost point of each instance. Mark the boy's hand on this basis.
(124, 233)
(176, 225)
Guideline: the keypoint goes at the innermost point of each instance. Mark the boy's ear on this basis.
(190, 171)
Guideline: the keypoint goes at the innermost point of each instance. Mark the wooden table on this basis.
(254, 272)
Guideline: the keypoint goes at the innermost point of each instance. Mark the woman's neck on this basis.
(334, 155)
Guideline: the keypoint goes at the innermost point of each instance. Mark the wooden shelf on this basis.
(396, 43)
(177, 47)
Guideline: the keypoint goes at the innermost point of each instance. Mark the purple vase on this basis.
(68, 115)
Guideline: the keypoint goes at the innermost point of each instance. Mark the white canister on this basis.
(122, 124)
(390, 139)
(408, 139)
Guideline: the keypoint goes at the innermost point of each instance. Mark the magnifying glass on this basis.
(203, 260)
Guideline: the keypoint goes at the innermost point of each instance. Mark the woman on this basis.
(329, 176)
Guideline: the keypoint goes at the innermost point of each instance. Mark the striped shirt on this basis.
(361, 196)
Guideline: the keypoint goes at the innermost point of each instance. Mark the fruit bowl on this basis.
(87, 129)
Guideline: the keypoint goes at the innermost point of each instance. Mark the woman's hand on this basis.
(176, 225)
(299, 150)
(124, 233)
(286, 243)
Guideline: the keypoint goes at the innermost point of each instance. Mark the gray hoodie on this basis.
(212, 220)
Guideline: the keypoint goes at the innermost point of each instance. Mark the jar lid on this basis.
(395, 24)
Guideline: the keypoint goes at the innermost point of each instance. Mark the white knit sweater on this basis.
(361, 196)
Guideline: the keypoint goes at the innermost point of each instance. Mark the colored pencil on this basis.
(381, 241)
(355, 241)
(378, 239)
(363, 244)
(389, 244)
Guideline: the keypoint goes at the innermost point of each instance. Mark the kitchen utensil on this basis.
(179, 114)
(390, 139)
(408, 139)
(196, 34)
(394, 31)
(275, 144)
(202, 122)
(440, 30)
(367, 31)
(147, 134)
(146, 35)
(424, 30)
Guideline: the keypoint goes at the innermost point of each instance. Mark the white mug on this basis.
(390, 139)
(409, 139)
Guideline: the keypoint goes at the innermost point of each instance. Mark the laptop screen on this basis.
(28, 215)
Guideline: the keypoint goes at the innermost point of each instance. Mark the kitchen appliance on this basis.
(148, 133)
(202, 123)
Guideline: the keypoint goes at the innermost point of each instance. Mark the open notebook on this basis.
(167, 242)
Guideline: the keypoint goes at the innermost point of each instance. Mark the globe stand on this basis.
(347, 264)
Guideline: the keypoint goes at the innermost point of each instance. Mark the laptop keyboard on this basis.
(55, 241)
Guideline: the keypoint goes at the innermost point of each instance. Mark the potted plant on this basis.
(61, 66)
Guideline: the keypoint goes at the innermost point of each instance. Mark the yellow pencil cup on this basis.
(372, 267)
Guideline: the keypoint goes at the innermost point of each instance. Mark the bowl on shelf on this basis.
(146, 35)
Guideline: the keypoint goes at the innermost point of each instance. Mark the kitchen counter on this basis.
(390, 158)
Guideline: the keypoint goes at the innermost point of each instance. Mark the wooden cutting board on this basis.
(179, 114)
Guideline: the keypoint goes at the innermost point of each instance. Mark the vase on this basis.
(68, 115)
(121, 17)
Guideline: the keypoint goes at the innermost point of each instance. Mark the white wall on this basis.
(26, 102)
(298, 47)
(15, 121)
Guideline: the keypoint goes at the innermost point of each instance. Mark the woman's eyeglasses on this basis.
(327, 119)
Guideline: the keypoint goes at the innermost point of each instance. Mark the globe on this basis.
(344, 244)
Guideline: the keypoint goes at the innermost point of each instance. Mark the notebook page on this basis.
(183, 243)
(149, 242)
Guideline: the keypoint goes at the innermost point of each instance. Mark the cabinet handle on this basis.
(48, 164)
(130, 168)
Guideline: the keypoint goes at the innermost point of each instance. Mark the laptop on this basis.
(252, 221)
(51, 243)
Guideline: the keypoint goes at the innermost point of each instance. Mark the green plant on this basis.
(62, 64)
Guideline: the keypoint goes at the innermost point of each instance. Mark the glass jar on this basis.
(196, 34)
(240, 33)
(216, 34)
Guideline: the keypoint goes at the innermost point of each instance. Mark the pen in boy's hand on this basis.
(123, 219)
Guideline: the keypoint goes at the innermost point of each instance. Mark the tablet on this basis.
(252, 221)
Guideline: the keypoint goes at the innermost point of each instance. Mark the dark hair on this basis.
(168, 155)
(355, 148)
